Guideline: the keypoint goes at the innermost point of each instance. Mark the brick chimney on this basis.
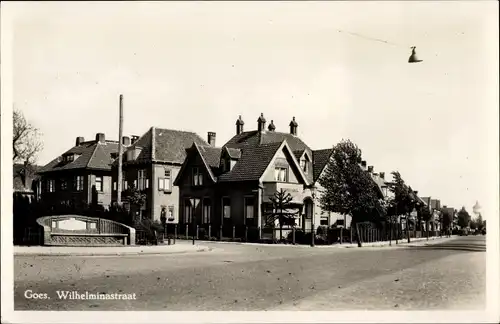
(271, 126)
(126, 141)
(99, 137)
(211, 138)
(261, 123)
(293, 127)
(370, 169)
(79, 140)
(239, 125)
(382, 175)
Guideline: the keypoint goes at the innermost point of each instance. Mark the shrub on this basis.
(202, 234)
(322, 230)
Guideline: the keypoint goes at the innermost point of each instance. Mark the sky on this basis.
(197, 66)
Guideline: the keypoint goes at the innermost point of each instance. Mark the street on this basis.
(448, 275)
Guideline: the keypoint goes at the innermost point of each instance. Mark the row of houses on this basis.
(188, 178)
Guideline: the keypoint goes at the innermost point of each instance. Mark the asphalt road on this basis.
(245, 277)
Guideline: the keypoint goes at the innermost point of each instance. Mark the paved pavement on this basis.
(179, 247)
(247, 277)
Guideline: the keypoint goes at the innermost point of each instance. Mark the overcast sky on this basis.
(197, 66)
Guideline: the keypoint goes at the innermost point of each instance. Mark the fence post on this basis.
(312, 234)
(197, 231)
(293, 235)
(175, 232)
(234, 232)
(187, 231)
(220, 233)
(209, 231)
(246, 233)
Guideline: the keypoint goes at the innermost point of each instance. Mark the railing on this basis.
(84, 230)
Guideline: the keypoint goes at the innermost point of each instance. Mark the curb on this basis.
(204, 249)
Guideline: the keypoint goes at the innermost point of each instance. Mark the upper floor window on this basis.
(143, 182)
(50, 185)
(165, 181)
(69, 158)
(281, 174)
(197, 177)
(64, 184)
(79, 183)
(98, 183)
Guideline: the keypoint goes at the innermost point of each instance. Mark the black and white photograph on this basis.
(250, 161)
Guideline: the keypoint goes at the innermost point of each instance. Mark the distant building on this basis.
(150, 164)
(81, 175)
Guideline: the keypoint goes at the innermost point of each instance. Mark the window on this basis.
(187, 211)
(165, 182)
(249, 207)
(142, 180)
(114, 185)
(226, 207)
(197, 177)
(64, 184)
(323, 221)
(124, 185)
(207, 211)
(79, 183)
(50, 186)
(98, 184)
(170, 215)
(280, 174)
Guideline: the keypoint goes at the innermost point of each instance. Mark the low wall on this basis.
(76, 230)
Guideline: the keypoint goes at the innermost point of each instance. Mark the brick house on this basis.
(150, 163)
(231, 185)
(81, 175)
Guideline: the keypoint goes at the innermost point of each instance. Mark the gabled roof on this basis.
(89, 155)
(163, 145)
(208, 154)
(320, 160)
(252, 163)
(233, 153)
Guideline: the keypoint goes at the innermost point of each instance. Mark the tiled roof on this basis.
(254, 138)
(211, 155)
(170, 145)
(252, 164)
(320, 159)
(90, 155)
(163, 145)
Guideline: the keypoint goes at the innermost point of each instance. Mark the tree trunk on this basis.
(341, 234)
(427, 229)
(358, 235)
(390, 232)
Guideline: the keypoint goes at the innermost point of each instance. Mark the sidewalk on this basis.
(401, 243)
(179, 247)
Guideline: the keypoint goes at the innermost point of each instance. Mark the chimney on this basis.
(293, 127)
(126, 141)
(239, 125)
(211, 138)
(370, 169)
(416, 192)
(271, 126)
(382, 175)
(261, 123)
(363, 165)
(134, 139)
(99, 137)
(79, 140)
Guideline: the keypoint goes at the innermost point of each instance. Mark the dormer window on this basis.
(68, 158)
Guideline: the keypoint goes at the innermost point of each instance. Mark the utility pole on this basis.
(120, 153)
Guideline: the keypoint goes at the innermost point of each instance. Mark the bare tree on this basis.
(26, 142)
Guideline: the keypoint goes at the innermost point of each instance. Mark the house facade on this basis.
(81, 175)
(232, 185)
(150, 164)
